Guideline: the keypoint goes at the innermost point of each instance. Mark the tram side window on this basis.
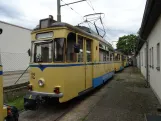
(104, 56)
(43, 52)
(59, 46)
(71, 41)
(80, 54)
(111, 56)
(89, 50)
(117, 57)
(107, 56)
(100, 55)
(122, 58)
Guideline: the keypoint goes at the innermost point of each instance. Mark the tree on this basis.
(127, 44)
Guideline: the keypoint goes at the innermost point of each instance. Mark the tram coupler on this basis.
(31, 102)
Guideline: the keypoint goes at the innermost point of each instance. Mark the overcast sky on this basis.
(122, 17)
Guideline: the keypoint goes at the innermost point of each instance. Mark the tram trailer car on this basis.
(125, 61)
(118, 61)
(66, 61)
(7, 113)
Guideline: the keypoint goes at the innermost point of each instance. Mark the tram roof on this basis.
(80, 29)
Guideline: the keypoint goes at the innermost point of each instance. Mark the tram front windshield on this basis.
(48, 51)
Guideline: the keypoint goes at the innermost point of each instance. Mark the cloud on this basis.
(122, 17)
(9, 12)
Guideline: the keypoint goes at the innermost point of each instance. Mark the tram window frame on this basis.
(101, 52)
(119, 58)
(88, 50)
(122, 58)
(34, 51)
(104, 56)
(70, 50)
(107, 55)
(81, 59)
(116, 57)
(55, 51)
(111, 56)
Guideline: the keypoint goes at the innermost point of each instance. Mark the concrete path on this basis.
(124, 98)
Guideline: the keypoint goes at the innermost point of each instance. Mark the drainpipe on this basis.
(147, 64)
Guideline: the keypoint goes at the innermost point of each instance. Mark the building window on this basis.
(152, 58)
(158, 56)
(142, 58)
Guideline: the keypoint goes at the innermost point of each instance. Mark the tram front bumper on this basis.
(44, 94)
(33, 99)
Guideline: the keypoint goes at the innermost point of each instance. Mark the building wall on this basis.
(141, 58)
(138, 61)
(155, 75)
(14, 43)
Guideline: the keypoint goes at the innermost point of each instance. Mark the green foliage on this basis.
(127, 44)
(18, 103)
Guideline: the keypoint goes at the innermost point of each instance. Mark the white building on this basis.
(14, 43)
(148, 51)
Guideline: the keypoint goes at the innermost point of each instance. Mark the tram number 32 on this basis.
(33, 75)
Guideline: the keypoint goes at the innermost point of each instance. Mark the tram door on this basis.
(88, 63)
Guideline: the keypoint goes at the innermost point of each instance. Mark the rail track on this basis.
(49, 111)
(53, 111)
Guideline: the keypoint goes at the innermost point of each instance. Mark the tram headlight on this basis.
(41, 83)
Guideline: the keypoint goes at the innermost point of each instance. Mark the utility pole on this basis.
(58, 11)
(59, 8)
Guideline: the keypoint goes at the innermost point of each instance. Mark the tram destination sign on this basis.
(44, 35)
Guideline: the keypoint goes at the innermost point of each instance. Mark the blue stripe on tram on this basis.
(1, 72)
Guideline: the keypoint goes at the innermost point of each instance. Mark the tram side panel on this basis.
(118, 66)
(102, 71)
(3, 110)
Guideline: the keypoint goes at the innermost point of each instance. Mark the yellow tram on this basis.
(125, 61)
(8, 113)
(118, 61)
(66, 61)
(3, 109)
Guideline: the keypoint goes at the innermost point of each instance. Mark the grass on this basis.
(18, 103)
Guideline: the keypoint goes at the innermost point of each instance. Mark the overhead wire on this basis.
(72, 9)
(75, 12)
(96, 19)
(103, 24)
(90, 5)
(101, 20)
